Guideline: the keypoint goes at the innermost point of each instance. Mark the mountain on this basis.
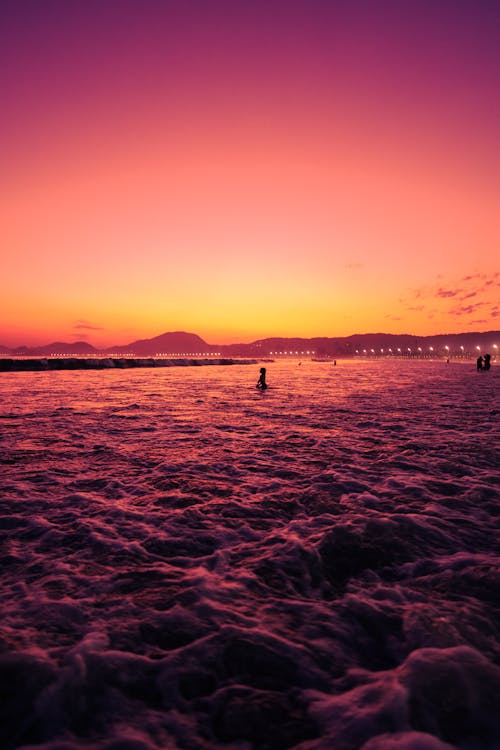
(179, 343)
(80, 348)
(350, 345)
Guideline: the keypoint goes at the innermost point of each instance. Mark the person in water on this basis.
(479, 363)
(261, 382)
(487, 361)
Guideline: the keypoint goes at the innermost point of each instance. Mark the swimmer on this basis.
(261, 383)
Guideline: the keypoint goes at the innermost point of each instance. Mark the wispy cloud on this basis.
(462, 298)
(487, 279)
(467, 309)
(84, 325)
(472, 277)
(353, 266)
(468, 296)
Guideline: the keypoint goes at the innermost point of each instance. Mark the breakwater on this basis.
(40, 364)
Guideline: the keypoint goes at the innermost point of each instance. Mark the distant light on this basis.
(447, 348)
(478, 348)
(431, 348)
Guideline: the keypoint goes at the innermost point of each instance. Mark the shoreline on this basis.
(46, 364)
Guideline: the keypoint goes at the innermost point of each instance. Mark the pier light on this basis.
(372, 351)
(381, 351)
(419, 348)
(478, 348)
(390, 350)
(364, 351)
(447, 348)
(409, 349)
(431, 348)
(357, 351)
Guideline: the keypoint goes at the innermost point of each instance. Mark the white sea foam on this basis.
(191, 563)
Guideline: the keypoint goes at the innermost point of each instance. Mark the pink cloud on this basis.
(448, 292)
(467, 309)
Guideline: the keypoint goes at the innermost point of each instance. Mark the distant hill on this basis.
(357, 343)
(177, 342)
(180, 343)
(57, 347)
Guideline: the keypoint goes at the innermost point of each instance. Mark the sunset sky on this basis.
(248, 169)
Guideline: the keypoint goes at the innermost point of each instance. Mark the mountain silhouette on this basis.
(179, 343)
(176, 342)
(57, 347)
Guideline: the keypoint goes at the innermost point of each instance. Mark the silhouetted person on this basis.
(479, 363)
(261, 382)
(487, 361)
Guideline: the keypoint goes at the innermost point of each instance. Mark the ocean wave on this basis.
(189, 563)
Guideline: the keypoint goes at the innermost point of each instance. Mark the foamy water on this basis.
(190, 563)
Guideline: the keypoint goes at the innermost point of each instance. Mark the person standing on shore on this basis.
(487, 361)
(479, 363)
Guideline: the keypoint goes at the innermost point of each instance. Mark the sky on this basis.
(248, 169)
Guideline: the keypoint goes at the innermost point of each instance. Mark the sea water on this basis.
(188, 562)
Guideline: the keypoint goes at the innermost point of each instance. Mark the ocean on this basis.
(189, 563)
